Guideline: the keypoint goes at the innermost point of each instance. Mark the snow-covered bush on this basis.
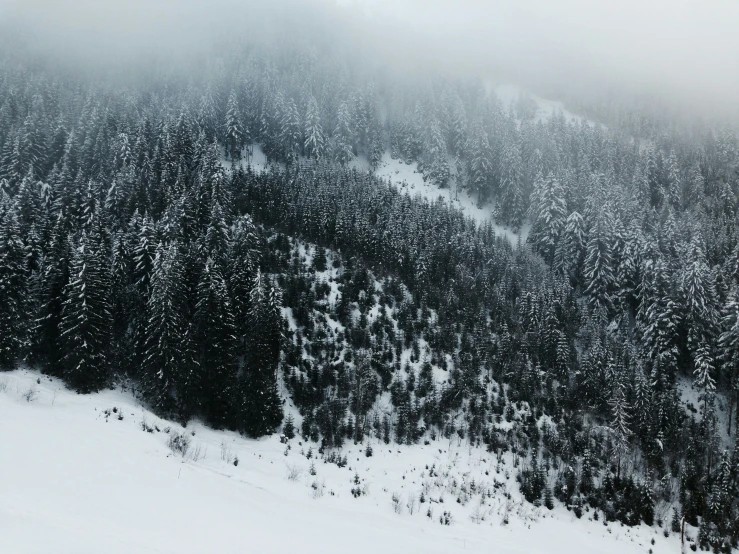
(179, 443)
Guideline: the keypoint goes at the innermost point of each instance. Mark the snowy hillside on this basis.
(510, 95)
(95, 474)
(409, 179)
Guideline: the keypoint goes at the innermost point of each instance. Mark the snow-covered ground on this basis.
(409, 179)
(81, 474)
(509, 96)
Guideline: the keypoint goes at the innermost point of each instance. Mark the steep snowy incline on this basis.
(90, 474)
(509, 96)
(409, 179)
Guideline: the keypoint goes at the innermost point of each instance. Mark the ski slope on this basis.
(75, 478)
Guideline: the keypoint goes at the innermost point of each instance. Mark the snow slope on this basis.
(74, 478)
(409, 179)
(509, 95)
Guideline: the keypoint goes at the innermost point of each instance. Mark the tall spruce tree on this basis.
(86, 321)
(13, 290)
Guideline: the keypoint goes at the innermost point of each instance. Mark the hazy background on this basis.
(685, 51)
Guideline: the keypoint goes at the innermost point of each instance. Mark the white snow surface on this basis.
(77, 479)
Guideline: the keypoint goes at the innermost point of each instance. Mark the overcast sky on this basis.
(683, 48)
(688, 48)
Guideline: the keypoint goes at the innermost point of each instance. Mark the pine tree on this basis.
(659, 317)
(235, 135)
(569, 253)
(437, 165)
(262, 408)
(291, 131)
(168, 350)
(598, 271)
(314, 139)
(211, 384)
(699, 298)
(620, 421)
(511, 204)
(342, 136)
(12, 291)
(728, 344)
(86, 318)
(548, 210)
(243, 260)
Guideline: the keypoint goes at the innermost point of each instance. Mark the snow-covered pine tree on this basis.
(598, 270)
(262, 410)
(235, 135)
(243, 260)
(698, 297)
(314, 138)
(13, 317)
(480, 171)
(168, 354)
(342, 137)
(437, 166)
(211, 384)
(659, 318)
(86, 321)
(511, 202)
(549, 212)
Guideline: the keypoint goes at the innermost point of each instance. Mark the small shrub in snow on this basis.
(357, 489)
(368, 451)
(179, 443)
(478, 516)
(226, 452)
(334, 458)
(318, 488)
(293, 472)
(312, 469)
(446, 518)
(31, 394)
(411, 503)
(3, 384)
(197, 453)
(397, 503)
(145, 426)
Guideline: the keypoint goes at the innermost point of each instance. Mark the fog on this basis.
(681, 50)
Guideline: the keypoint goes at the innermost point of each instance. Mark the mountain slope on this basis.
(95, 483)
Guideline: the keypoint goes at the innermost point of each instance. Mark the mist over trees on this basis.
(139, 245)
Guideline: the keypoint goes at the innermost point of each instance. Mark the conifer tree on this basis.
(235, 135)
(168, 349)
(314, 139)
(13, 284)
(511, 205)
(548, 210)
(262, 409)
(342, 136)
(598, 271)
(86, 320)
(211, 385)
